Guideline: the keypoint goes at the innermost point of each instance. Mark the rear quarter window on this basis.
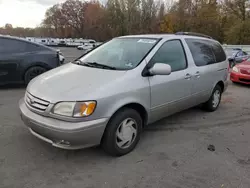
(218, 51)
(201, 51)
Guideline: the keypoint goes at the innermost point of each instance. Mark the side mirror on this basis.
(160, 69)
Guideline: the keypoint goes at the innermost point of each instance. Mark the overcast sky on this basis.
(24, 13)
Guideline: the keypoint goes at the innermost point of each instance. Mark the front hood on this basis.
(244, 65)
(71, 82)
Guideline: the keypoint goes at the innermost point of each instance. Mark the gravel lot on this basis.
(172, 153)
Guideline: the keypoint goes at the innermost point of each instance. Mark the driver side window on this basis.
(172, 53)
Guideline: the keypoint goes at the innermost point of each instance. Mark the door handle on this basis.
(197, 74)
(188, 76)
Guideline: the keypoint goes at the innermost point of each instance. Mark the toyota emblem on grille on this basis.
(32, 101)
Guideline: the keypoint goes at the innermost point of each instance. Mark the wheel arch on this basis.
(35, 64)
(135, 106)
(140, 109)
(221, 84)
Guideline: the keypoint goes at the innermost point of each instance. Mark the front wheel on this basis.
(122, 133)
(214, 101)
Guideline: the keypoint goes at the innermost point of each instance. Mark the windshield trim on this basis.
(157, 41)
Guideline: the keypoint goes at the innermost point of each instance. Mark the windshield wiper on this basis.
(79, 62)
(94, 64)
(98, 65)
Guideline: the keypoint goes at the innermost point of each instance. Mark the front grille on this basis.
(244, 71)
(35, 102)
(244, 80)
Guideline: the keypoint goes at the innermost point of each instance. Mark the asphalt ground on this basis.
(172, 153)
(71, 53)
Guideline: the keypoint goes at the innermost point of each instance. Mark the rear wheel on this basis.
(122, 133)
(32, 73)
(214, 101)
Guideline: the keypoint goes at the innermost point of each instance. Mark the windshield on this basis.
(120, 53)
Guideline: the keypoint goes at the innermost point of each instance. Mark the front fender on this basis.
(106, 107)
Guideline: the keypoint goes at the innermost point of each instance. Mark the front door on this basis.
(8, 68)
(170, 93)
(9, 59)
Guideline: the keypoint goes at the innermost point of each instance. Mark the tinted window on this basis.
(201, 51)
(218, 51)
(244, 53)
(17, 46)
(172, 53)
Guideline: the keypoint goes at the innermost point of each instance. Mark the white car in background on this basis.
(86, 46)
(89, 46)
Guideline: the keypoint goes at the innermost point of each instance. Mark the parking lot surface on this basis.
(71, 53)
(172, 153)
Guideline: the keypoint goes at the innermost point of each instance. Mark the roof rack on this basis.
(193, 34)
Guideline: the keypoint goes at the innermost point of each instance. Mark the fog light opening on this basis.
(64, 142)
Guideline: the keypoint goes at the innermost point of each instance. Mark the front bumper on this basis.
(62, 134)
(240, 78)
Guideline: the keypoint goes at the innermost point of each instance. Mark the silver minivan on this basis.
(108, 95)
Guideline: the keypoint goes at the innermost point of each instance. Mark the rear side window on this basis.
(172, 53)
(218, 51)
(201, 51)
(17, 46)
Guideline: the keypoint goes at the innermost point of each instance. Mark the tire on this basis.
(113, 141)
(211, 105)
(32, 73)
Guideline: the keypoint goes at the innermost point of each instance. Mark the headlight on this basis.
(235, 69)
(74, 109)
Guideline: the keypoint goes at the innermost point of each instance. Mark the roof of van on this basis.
(159, 36)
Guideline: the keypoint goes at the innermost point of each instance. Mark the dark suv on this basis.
(21, 60)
